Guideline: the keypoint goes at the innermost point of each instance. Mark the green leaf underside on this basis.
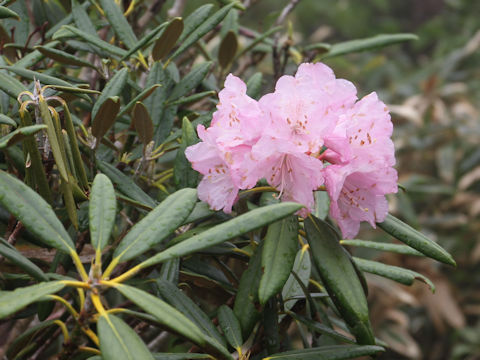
(339, 277)
(226, 231)
(34, 212)
(12, 301)
(119, 341)
(157, 225)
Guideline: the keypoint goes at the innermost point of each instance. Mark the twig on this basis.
(277, 67)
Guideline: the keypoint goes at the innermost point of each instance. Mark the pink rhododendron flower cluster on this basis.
(311, 131)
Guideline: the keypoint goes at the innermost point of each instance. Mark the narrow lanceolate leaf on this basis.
(20, 134)
(175, 297)
(228, 49)
(105, 117)
(202, 29)
(230, 326)
(113, 88)
(7, 13)
(34, 213)
(35, 75)
(10, 85)
(254, 85)
(278, 256)
(72, 31)
(302, 267)
(167, 40)
(183, 174)
(172, 319)
(6, 120)
(194, 20)
(321, 328)
(12, 301)
(81, 18)
(396, 248)
(190, 81)
(340, 279)
(401, 275)
(228, 230)
(140, 97)
(63, 57)
(415, 239)
(15, 257)
(246, 307)
(333, 352)
(125, 184)
(102, 209)
(157, 225)
(118, 22)
(142, 122)
(374, 42)
(146, 40)
(119, 341)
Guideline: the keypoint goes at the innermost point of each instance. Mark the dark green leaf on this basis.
(157, 225)
(119, 341)
(5, 120)
(246, 302)
(401, 275)
(278, 256)
(171, 318)
(254, 85)
(230, 326)
(63, 57)
(190, 81)
(321, 328)
(118, 22)
(195, 19)
(34, 213)
(334, 352)
(113, 88)
(146, 40)
(302, 267)
(202, 29)
(10, 85)
(415, 239)
(126, 184)
(183, 173)
(12, 301)
(101, 211)
(187, 307)
(15, 257)
(339, 277)
(20, 134)
(7, 13)
(140, 97)
(226, 231)
(396, 248)
(374, 42)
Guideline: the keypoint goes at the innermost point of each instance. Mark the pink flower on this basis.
(292, 172)
(217, 186)
(304, 109)
(361, 171)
